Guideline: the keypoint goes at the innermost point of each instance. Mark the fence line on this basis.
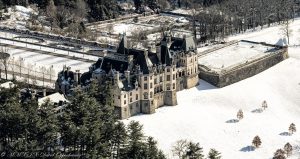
(37, 74)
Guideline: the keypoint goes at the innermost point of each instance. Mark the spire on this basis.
(123, 45)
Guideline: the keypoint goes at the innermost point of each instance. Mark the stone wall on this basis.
(170, 98)
(243, 71)
(159, 99)
(134, 108)
(192, 81)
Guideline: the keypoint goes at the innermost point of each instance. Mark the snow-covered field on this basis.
(47, 61)
(204, 113)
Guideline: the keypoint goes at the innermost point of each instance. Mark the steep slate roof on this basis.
(108, 64)
(143, 58)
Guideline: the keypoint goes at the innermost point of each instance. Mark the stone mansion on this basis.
(142, 80)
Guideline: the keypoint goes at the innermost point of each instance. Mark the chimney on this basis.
(129, 58)
(117, 77)
(64, 68)
(10, 84)
(79, 76)
(76, 76)
(104, 53)
(137, 69)
(44, 93)
(145, 53)
(68, 71)
(127, 75)
(149, 48)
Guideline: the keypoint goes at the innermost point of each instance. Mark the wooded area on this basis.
(86, 129)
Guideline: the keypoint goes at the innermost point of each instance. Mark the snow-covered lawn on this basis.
(204, 113)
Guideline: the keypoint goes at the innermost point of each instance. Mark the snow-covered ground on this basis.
(232, 55)
(47, 61)
(204, 114)
(17, 16)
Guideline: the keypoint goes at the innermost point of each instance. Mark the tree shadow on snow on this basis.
(247, 149)
(232, 121)
(259, 110)
(285, 134)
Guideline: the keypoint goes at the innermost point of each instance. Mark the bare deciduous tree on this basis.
(51, 12)
(179, 148)
(286, 30)
(264, 105)
(4, 56)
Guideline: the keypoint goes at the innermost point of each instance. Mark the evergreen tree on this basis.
(152, 151)
(256, 141)
(136, 147)
(11, 121)
(119, 140)
(279, 154)
(214, 154)
(292, 128)
(194, 151)
(81, 126)
(138, 4)
(240, 114)
(288, 148)
(48, 127)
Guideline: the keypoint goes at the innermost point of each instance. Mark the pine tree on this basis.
(214, 154)
(292, 128)
(81, 127)
(264, 105)
(152, 150)
(240, 114)
(256, 141)
(288, 148)
(136, 147)
(119, 140)
(194, 151)
(48, 127)
(11, 121)
(279, 154)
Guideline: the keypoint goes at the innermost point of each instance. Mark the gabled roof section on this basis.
(189, 44)
(166, 57)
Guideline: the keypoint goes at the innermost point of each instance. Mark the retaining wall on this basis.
(242, 71)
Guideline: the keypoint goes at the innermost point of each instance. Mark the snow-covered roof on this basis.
(54, 98)
(234, 54)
